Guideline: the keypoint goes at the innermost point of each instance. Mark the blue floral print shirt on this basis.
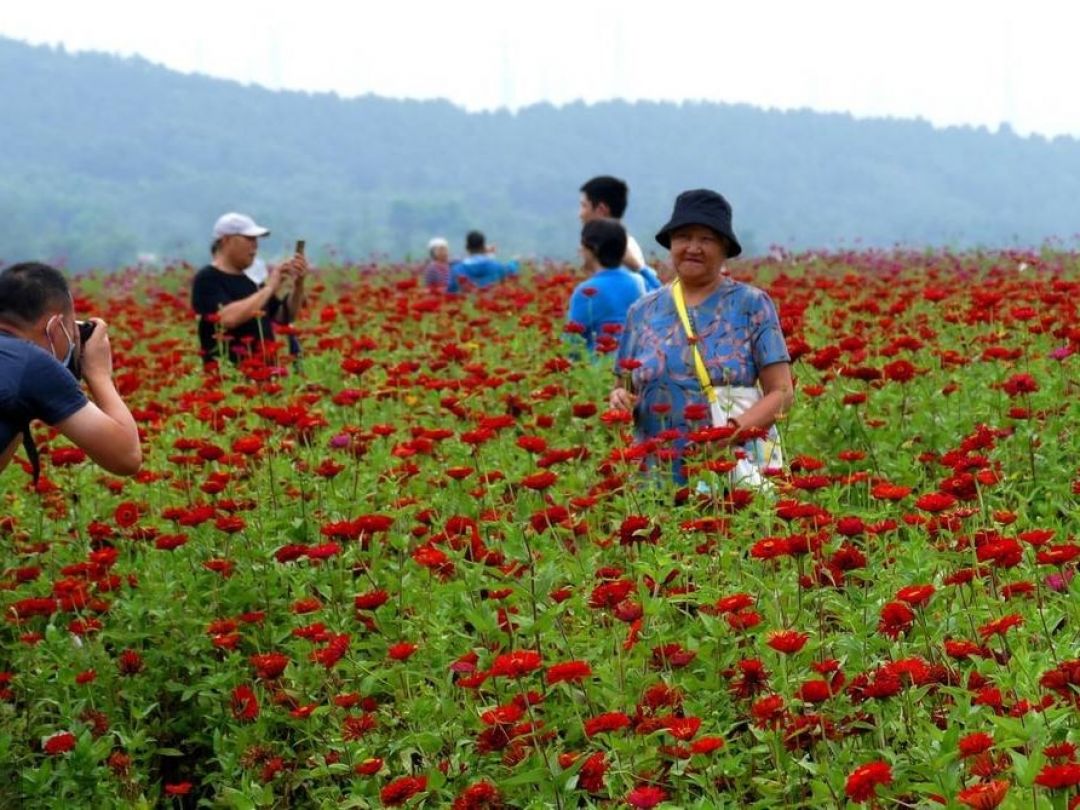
(738, 333)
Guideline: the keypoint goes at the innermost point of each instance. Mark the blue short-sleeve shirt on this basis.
(33, 385)
(603, 299)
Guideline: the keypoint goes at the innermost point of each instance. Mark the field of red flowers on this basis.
(422, 568)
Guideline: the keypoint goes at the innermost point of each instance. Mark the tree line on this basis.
(104, 159)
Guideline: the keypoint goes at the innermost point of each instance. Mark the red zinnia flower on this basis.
(269, 665)
(591, 775)
(936, 502)
(371, 600)
(1000, 626)
(915, 595)
(126, 514)
(1057, 777)
(984, 796)
(896, 619)
(1020, 384)
(480, 795)
(814, 691)
(683, 728)
(178, 788)
(247, 445)
(401, 651)
(1064, 750)
(568, 672)
(130, 663)
(706, 745)
(974, 744)
(900, 371)
(863, 782)
(66, 456)
(369, 767)
(59, 743)
(609, 721)
(787, 641)
(245, 706)
(355, 726)
(539, 481)
(890, 492)
(401, 790)
(516, 664)
(646, 797)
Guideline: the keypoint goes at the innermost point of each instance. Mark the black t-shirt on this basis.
(33, 385)
(210, 291)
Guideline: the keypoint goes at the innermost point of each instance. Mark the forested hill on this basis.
(103, 158)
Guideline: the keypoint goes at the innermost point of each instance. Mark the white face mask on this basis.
(70, 341)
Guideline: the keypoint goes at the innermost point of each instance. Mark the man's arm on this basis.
(235, 313)
(634, 259)
(105, 428)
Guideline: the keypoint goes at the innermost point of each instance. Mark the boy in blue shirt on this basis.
(603, 298)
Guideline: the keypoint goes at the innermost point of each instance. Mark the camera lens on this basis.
(86, 328)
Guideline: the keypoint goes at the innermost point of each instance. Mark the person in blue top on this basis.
(606, 197)
(603, 299)
(736, 329)
(479, 268)
(43, 352)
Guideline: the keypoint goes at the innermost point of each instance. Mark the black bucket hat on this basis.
(701, 207)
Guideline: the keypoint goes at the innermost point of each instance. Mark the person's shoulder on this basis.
(44, 370)
(652, 302)
(28, 352)
(18, 354)
(207, 273)
(748, 292)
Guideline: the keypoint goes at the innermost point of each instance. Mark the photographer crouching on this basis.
(43, 352)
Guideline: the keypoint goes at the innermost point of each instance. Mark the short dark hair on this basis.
(28, 290)
(474, 242)
(606, 238)
(608, 190)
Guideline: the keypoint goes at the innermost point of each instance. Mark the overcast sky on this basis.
(947, 61)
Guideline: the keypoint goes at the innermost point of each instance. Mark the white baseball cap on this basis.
(233, 224)
(438, 241)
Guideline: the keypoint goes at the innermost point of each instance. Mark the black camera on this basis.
(86, 328)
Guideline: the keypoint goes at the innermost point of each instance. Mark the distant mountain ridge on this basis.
(103, 158)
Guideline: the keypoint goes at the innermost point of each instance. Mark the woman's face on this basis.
(697, 252)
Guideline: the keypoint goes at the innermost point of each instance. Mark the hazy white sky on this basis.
(947, 61)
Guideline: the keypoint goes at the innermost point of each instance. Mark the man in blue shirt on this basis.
(41, 351)
(478, 269)
(598, 305)
(606, 197)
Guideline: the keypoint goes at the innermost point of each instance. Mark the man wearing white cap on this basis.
(233, 310)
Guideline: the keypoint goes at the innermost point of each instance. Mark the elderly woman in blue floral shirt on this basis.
(735, 326)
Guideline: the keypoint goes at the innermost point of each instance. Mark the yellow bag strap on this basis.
(699, 361)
